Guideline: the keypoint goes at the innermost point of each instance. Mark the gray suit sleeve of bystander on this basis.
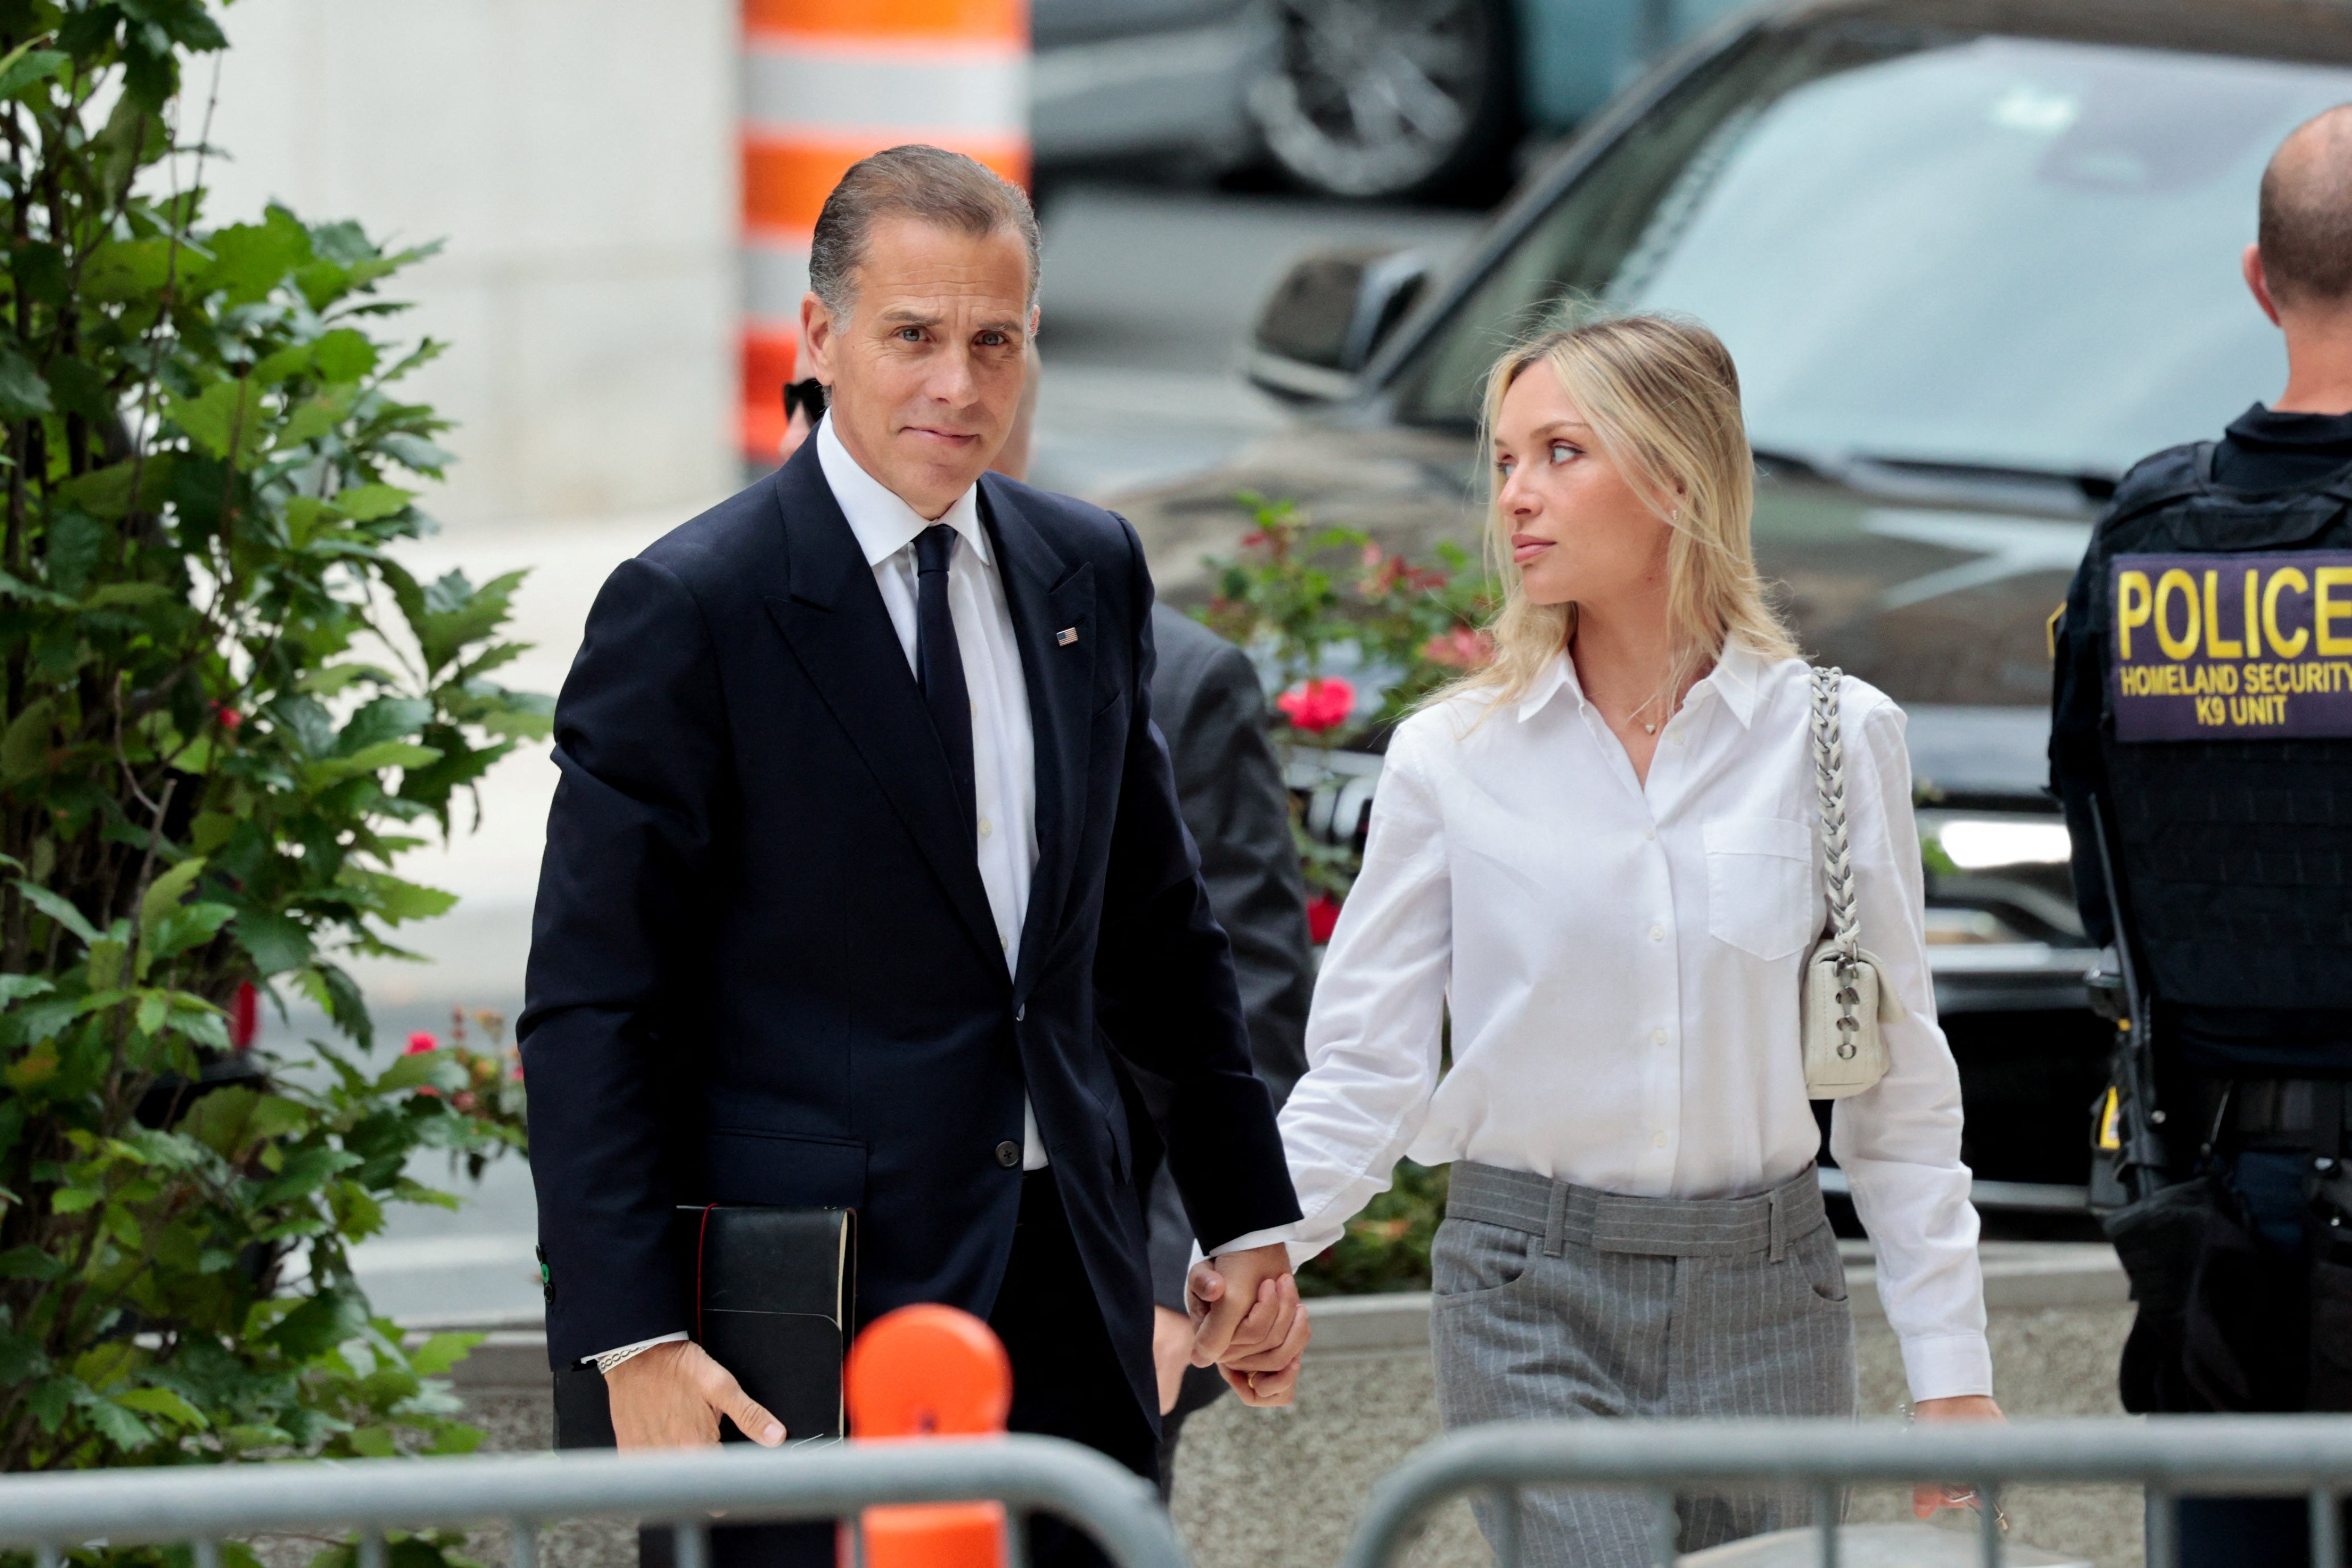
(1212, 710)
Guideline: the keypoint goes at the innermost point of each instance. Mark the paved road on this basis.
(1148, 300)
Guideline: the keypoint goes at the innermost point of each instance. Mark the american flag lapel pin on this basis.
(1065, 637)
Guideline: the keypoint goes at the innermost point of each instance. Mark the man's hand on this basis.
(1249, 1323)
(672, 1396)
(1171, 1353)
(1927, 1497)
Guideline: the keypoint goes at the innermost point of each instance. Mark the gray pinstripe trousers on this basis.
(1556, 1301)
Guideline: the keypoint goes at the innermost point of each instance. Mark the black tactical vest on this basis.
(2226, 732)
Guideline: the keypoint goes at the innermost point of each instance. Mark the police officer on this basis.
(2203, 748)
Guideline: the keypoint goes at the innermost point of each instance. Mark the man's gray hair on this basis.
(927, 184)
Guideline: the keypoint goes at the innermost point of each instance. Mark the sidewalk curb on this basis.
(506, 1361)
(2090, 1278)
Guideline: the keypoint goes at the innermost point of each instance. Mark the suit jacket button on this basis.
(1008, 1153)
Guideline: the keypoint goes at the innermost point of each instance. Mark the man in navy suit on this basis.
(865, 883)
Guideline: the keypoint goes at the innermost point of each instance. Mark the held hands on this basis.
(672, 1396)
(1248, 1321)
(1927, 1497)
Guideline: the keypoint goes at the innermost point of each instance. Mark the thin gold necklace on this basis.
(1635, 716)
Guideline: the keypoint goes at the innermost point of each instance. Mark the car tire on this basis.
(1392, 99)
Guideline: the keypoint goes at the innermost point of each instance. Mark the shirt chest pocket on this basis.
(1760, 895)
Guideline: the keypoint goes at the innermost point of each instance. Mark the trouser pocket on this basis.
(1823, 1266)
(2245, 1333)
(1472, 1260)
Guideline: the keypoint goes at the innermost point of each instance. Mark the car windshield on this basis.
(1993, 251)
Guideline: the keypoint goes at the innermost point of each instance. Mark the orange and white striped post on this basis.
(827, 82)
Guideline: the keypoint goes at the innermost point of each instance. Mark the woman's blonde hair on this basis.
(1662, 396)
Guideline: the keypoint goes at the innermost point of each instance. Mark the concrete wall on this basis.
(578, 157)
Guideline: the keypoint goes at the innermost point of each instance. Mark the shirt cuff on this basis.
(612, 1358)
(1266, 1238)
(1947, 1366)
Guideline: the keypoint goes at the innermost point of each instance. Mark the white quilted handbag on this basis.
(1843, 1000)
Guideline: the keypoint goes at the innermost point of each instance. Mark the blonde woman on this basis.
(1599, 853)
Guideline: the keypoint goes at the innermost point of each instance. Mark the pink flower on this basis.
(419, 1044)
(1463, 648)
(1317, 703)
(1322, 918)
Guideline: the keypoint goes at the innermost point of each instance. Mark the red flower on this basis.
(1322, 918)
(419, 1044)
(465, 1100)
(229, 717)
(244, 1016)
(1463, 648)
(1317, 703)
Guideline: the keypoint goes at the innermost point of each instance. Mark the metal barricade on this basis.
(205, 1504)
(2310, 1455)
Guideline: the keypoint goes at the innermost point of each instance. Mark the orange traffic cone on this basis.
(929, 1371)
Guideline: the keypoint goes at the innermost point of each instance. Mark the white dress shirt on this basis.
(1621, 960)
(1003, 748)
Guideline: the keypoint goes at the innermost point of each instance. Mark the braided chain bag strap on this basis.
(1843, 1000)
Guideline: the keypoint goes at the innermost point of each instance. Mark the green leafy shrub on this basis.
(227, 709)
(1307, 598)
(492, 1093)
(1303, 592)
(1386, 1248)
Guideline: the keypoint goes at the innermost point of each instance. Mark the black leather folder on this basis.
(774, 1295)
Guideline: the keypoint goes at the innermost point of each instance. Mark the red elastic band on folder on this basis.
(701, 1239)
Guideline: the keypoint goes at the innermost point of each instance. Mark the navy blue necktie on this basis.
(939, 662)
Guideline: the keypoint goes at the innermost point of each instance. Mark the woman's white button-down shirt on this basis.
(1621, 960)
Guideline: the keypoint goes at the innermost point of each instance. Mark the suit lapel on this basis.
(834, 617)
(1050, 600)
